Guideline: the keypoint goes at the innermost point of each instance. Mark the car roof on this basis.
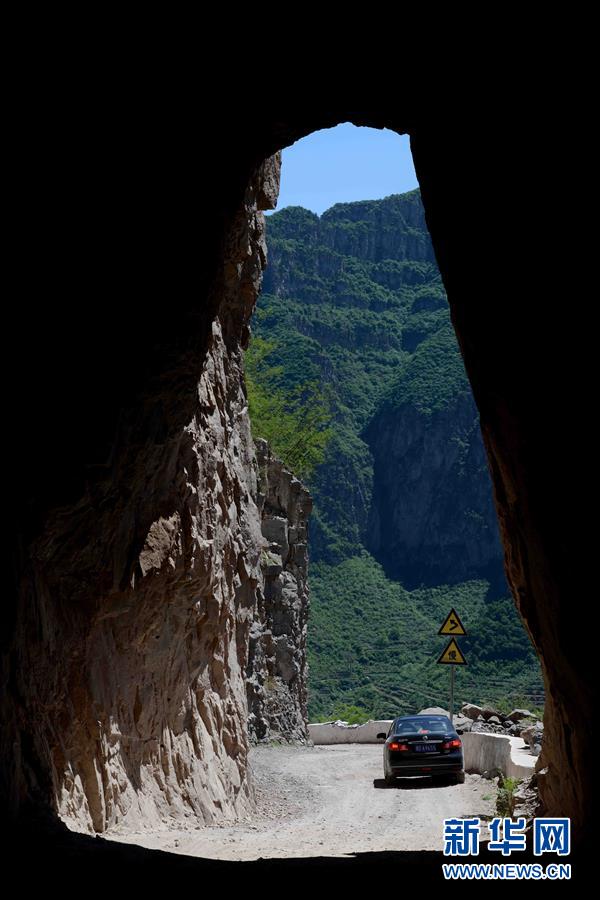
(423, 716)
(437, 718)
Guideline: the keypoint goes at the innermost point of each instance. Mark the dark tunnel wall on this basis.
(119, 234)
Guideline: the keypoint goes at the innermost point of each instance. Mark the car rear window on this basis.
(431, 723)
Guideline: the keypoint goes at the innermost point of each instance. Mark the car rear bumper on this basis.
(432, 769)
(416, 764)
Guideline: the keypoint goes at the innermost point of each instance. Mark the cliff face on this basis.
(136, 603)
(372, 230)
(432, 517)
(346, 298)
(277, 668)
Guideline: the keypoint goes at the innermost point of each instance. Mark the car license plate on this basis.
(425, 748)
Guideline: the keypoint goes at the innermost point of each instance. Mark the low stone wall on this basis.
(487, 752)
(483, 752)
(341, 733)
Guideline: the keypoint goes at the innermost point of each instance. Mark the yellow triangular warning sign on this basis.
(452, 624)
(452, 655)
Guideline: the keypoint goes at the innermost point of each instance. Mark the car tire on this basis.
(389, 780)
(459, 778)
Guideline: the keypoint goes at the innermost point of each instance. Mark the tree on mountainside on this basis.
(296, 423)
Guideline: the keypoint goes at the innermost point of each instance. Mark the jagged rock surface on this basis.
(277, 667)
(137, 602)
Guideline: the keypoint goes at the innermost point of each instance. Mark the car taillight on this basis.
(454, 744)
(396, 746)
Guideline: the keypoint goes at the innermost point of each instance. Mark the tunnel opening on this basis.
(375, 673)
(536, 586)
(62, 589)
(350, 292)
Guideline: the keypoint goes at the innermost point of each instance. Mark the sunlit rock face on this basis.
(277, 665)
(137, 603)
(432, 513)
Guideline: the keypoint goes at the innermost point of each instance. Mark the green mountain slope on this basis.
(403, 524)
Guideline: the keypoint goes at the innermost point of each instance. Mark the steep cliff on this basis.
(348, 297)
(432, 518)
(136, 602)
(277, 668)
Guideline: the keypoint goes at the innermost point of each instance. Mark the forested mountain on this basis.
(353, 319)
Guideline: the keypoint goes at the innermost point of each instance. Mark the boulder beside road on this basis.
(517, 714)
(518, 723)
(471, 711)
(533, 736)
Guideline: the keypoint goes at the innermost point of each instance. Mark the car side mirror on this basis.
(381, 736)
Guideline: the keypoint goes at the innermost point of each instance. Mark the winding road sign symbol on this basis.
(452, 624)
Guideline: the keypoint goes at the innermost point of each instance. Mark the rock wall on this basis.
(277, 666)
(432, 517)
(136, 603)
(349, 285)
(510, 343)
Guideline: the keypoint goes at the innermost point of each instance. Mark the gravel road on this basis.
(329, 801)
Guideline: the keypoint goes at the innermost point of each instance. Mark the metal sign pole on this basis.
(452, 655)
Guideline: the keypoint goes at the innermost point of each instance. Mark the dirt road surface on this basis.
(328, 801)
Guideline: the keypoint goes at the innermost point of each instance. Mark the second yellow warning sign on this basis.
(452, 655)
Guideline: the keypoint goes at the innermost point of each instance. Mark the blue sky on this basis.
(345, 163)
